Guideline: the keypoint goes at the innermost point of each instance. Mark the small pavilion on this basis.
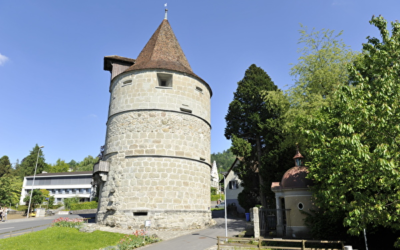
(293, 195)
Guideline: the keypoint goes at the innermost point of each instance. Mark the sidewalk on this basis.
(202, 239)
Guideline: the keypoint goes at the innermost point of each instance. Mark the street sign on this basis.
(147, 223)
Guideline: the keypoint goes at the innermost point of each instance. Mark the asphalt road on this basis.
(22, 226)
(202, 239)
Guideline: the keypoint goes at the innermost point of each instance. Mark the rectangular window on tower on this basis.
(164, 80)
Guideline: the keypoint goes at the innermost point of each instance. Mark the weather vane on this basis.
(166, 11)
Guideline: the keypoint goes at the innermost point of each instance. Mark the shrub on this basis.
(215, 197)
(137, 239)
(68, 202)
(21, 208)
(51, 202)
(66, 222)
(84, 205)
(213, 191)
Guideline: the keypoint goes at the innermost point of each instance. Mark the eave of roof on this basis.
(63, 174)
(123, 60)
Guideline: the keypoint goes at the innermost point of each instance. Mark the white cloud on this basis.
(93, 116)
(3, 59)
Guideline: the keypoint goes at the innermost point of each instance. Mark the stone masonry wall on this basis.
(159, 155)
(158, 133)
(167, 189)
(144, 93)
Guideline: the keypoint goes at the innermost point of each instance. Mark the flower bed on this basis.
(67, 222)
(135, 240)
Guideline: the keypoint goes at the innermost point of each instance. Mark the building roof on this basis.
(163, 51)
(64, 174)
(124, 60)
(234, 164)
(296, 178)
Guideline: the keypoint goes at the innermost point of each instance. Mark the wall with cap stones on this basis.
(159, 156)
(158, 133)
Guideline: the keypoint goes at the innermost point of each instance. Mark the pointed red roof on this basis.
(163, 51)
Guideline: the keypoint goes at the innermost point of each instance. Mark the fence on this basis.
(252, 243)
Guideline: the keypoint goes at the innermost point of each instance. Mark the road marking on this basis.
(6, 228)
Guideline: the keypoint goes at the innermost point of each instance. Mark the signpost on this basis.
(147, 224)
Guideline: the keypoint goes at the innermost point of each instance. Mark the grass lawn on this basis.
(60, 238)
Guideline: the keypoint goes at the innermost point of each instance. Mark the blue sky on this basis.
(54, 91)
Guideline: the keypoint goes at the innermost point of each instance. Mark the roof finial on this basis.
(166, 12)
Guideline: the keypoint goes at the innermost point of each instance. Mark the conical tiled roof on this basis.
(163, 51)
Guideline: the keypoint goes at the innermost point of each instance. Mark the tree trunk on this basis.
(262, 196)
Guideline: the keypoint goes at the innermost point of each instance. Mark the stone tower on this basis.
(156, 160)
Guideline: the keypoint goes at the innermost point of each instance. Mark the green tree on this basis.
(87, 164)
(320, 70)
(253, 126)
(27, 166)
(59, 167)
(72, 164)
(5, 166)
(37, 199)
(355, 143)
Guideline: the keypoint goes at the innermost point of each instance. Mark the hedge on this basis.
(84, 205)
(215, 197)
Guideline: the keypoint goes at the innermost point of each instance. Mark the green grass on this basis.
(61, 238)
(217, 208)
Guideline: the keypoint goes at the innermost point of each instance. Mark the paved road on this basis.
(202, 239)
(21, 226)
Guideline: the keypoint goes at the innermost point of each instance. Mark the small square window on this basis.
(164, 80)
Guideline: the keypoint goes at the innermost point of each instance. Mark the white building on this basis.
(233, 187)
(60, 185)
(214, 176)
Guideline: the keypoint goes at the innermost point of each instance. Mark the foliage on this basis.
(37, 198)
(67, 222)
(84, 205)
(68, 202)
(217, 208)
(5, 166)
(10, 189)
(27, 166)
(20, 208)
(247, 199)
(72, 164)
(213, 190)
(61, 238)
(59, 167)
(51, 202)
(215, 197)
(86, 164)
(45, 193)
(354, 144)
(320, 70)
(254, 126)
(224, 160)
(137, 239)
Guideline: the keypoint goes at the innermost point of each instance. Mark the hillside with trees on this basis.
(224, 160)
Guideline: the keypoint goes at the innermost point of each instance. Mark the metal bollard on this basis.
(10, 233)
